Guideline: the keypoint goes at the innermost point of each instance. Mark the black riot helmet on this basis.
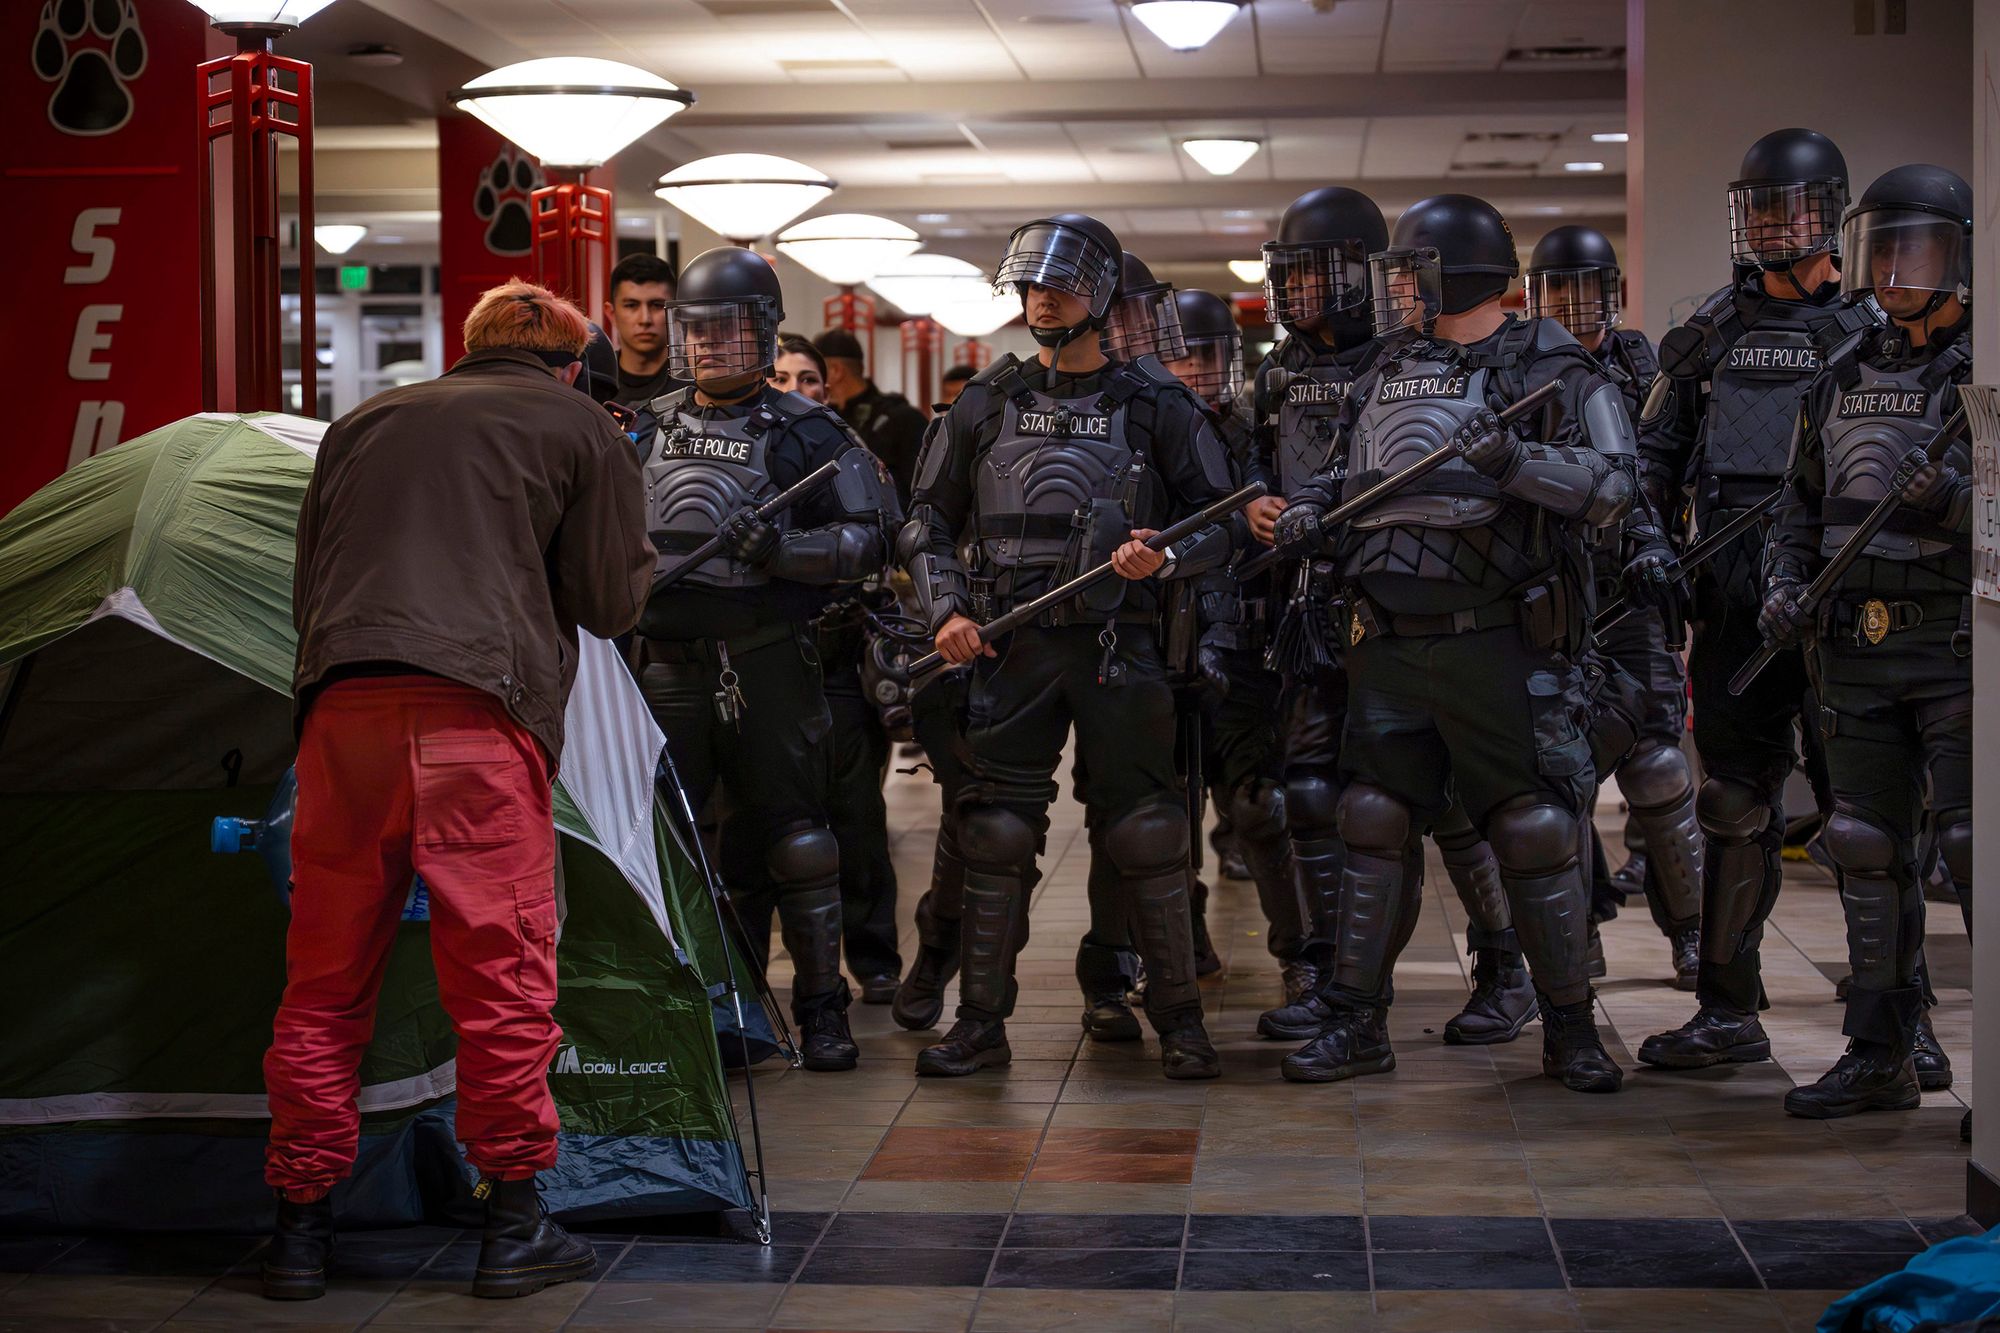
(1213, 364)
(1317, 268)
(1573, 279)
(1142, 320)
(1450, 253)
(722, 324)
(1909, 241)
(1786, 202)
(1071, 252)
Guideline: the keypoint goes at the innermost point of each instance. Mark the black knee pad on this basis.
(1730, 810)
(1373, 820)
(1533, 839)
(1954, 841)
(804, 856)
(992, 837)
(1257, 810)
(1859, 846)
(1655, 777)
(1312, 801)
(1152, 840)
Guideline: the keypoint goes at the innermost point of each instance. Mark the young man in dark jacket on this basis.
(455, 536)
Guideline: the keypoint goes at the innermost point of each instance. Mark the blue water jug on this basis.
(271, 838)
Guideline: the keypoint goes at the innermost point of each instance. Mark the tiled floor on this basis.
(1080, 1189)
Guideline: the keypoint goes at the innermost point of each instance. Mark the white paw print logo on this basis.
(90, 49)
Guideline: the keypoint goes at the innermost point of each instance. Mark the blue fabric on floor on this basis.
(1956, 1283)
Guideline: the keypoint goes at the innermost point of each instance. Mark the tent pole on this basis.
(717, 896)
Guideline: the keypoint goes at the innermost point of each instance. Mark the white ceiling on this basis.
(986, 110)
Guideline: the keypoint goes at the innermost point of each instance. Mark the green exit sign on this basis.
(354, 277)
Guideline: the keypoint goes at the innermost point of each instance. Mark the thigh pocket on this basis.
(535, 923)
(1561, 717)
(468, 790)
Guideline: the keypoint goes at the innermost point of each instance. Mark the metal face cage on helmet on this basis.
(1907, 248)
(1775, 225)
(1049, 253)
(1582, 300)
(1314, 279)
(1144, 321)
(710, 341)
(1212, 369)
(1408, 289)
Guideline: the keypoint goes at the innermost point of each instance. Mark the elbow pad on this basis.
(838, 553)
(914, 535)
(1574, 483)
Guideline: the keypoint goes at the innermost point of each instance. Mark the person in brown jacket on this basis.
(455, 536)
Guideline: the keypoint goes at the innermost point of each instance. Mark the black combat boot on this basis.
(1871, 1076)
(1629, 879)
(970, 1046)
(1932, 1064)
(1685, 941)
(295, 1264)
(1573, 1052)
(1597, 965)
(1187, 1053)
(523, 1250)
(1501, 1003)
(1354, 1041)
(1105, 980)
(1299, 976)
(1714, 1036)
(825, 1043)
(1207, 962)
(920, 999)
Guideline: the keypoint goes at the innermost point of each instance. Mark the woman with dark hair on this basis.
(799, 368)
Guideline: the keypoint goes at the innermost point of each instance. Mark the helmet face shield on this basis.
(1582, 300)
(710, 342)
(1408, 289)
(1775, 226)
(1313, 279)
(1213, 369)
(1069, 259)
(1891, 250)
(1145, 322)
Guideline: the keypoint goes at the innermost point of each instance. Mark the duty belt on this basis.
(1367, 620)
(680, 652)
(1866, 622)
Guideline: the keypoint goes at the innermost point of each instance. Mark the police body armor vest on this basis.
(1630, 363)
(1879, 416)
(1758, 376)
(1307, 415)
(1057, 466)
(1453, 527)
(701, 470)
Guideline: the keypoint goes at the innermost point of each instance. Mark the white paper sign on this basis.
(1982, 411)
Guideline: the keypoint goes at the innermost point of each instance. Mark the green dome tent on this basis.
(146, 652)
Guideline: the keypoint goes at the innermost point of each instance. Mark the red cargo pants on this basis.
(401, 775)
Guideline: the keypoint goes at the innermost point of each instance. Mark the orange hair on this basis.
(520, 314)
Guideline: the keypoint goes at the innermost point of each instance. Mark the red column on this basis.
(923, 346)
(247, 103)
(98, 208)
(855, 312)
(573, 241)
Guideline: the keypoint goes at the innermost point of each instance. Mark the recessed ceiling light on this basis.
(933, 217)
(1616, 136)
(1583, 166)
(954, 231)
(1220, 157)
(1248, 270)
(1185, 25)
(1239, 212)
(1052, 20)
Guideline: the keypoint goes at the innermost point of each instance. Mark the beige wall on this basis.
(1708, 77)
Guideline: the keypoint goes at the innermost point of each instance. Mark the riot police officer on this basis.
(725, 654)
(1316, 286)
(1465, 601)
(1045, 467)
(1243, 761)
(1574, 279)
(1718, 433)
(1892, 644)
